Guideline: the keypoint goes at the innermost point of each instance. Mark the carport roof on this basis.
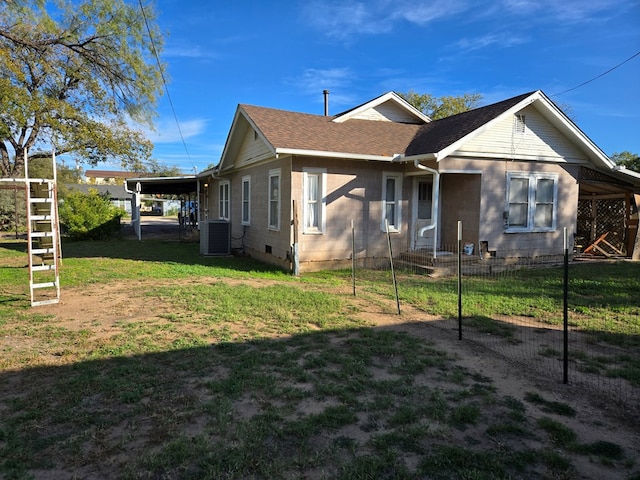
(164, 185)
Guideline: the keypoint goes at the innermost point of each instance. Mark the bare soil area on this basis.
(103, 309)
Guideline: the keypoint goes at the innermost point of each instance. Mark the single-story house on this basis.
(290, 186)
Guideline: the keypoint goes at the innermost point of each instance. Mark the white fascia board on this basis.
(319, 153)
(209, 171)
(412, 158)
(564, 122)
(625, 171)
(160, 179)
(230, 135)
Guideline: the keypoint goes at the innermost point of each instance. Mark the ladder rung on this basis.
(42, 234)
(40, 268)
(41, 217)
(41, 200)
(43, 285)
(40, 251)
(45, 302)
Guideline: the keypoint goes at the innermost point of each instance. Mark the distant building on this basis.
(109, 177)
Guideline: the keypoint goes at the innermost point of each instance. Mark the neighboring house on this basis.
(108, 177)
(291, 184)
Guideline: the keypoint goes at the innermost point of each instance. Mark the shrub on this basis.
(89, 216)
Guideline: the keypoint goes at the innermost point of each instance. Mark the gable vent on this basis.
(519, 124)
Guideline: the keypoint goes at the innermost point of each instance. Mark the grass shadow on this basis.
(312, 403)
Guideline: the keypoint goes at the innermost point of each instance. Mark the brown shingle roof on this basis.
(301, 131)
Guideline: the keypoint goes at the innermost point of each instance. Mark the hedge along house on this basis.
(291, 185)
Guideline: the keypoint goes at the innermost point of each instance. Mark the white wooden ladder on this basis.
(43, 241)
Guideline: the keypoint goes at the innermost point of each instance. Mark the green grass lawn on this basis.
(230, 369)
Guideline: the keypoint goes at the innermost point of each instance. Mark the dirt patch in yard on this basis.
(104, 311)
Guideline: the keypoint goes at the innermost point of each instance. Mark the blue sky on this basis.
(283, 54)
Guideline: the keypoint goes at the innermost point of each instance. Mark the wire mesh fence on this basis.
(568, 319)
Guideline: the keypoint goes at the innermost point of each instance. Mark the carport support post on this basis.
(459, 280)
(565, 359)
(136, 211)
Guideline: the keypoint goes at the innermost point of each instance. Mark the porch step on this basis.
(444, 264)
(429, 270)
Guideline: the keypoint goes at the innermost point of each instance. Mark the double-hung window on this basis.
(223, 201)
(314, 201)
(246, 200)
(274, 199)
(391, 195)
(532, 200)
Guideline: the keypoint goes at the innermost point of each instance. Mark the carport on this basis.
(186, 187)
(608, 213)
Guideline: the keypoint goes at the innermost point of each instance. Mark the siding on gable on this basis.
(251, 150)
(541, 141)
(387, 112)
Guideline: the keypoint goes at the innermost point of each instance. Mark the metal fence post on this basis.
(565, 360)
(353, 258)
(393, 273)
(459, 280)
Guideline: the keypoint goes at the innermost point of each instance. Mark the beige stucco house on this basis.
(290, 186)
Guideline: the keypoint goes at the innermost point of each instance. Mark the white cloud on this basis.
(168, 132)
(504, 40)
(316, 80)
(342, 20)
(573, 11)
(187, 51)
(426, 11)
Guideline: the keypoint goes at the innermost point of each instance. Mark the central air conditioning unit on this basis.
(215, 237)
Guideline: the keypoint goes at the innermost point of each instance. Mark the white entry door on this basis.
(423, 195)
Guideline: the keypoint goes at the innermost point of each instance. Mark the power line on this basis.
(595, 78)
(164, 82)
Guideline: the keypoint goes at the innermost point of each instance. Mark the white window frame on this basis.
(321, 175)
(224, 200)
(246, 200)
(394, 223)
(532, 202)
(274, 223)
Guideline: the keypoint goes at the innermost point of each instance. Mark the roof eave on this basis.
(412, 158)
(326, 154)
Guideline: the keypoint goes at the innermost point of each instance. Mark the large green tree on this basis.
(440, 107)
(77, 76)
(628, 160)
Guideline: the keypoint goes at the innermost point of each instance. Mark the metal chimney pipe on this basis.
(326, 102)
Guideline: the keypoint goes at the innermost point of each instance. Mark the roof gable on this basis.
(442, 137)
(389, 107)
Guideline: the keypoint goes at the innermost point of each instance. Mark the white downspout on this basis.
(436, 206)
(135, 208)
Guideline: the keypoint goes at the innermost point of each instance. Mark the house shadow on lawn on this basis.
(352, 403)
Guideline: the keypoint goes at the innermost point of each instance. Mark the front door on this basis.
(423, 195)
